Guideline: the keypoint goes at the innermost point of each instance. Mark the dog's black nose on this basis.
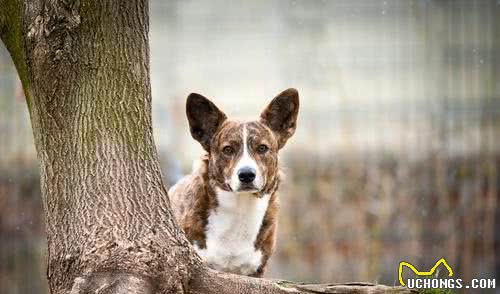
(246, 175)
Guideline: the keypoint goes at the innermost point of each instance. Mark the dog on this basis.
(228, 206)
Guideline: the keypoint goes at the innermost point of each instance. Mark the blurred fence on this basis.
(357, 218)
(396, 156)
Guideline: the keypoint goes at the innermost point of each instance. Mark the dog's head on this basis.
(243, 156)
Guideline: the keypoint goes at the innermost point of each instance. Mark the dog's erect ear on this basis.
(204, 118)
(281, 115)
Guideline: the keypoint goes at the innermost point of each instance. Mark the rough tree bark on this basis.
(84, 66)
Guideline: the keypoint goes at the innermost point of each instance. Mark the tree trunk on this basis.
(84, 66)
(88, 88)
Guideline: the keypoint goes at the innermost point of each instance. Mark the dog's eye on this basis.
(228, 150)
(261, 149)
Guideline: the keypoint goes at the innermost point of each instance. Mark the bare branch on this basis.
(11, 26)
(11, 34)
(209, 281)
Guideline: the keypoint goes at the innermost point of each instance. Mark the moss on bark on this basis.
(11, 28)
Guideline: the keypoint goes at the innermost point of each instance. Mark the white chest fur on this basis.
(231, 232)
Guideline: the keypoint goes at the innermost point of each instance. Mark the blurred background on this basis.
(397, 152)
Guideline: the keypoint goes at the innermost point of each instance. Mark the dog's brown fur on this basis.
(194, 198)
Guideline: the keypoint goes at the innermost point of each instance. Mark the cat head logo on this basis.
(423, 273)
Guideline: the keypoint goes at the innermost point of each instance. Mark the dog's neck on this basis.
(233, 225)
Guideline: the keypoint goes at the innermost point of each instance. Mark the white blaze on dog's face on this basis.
(246, 174)
(243, 156)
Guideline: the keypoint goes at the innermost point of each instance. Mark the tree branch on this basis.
(11, 34)
(212, 282)
(11, 27)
